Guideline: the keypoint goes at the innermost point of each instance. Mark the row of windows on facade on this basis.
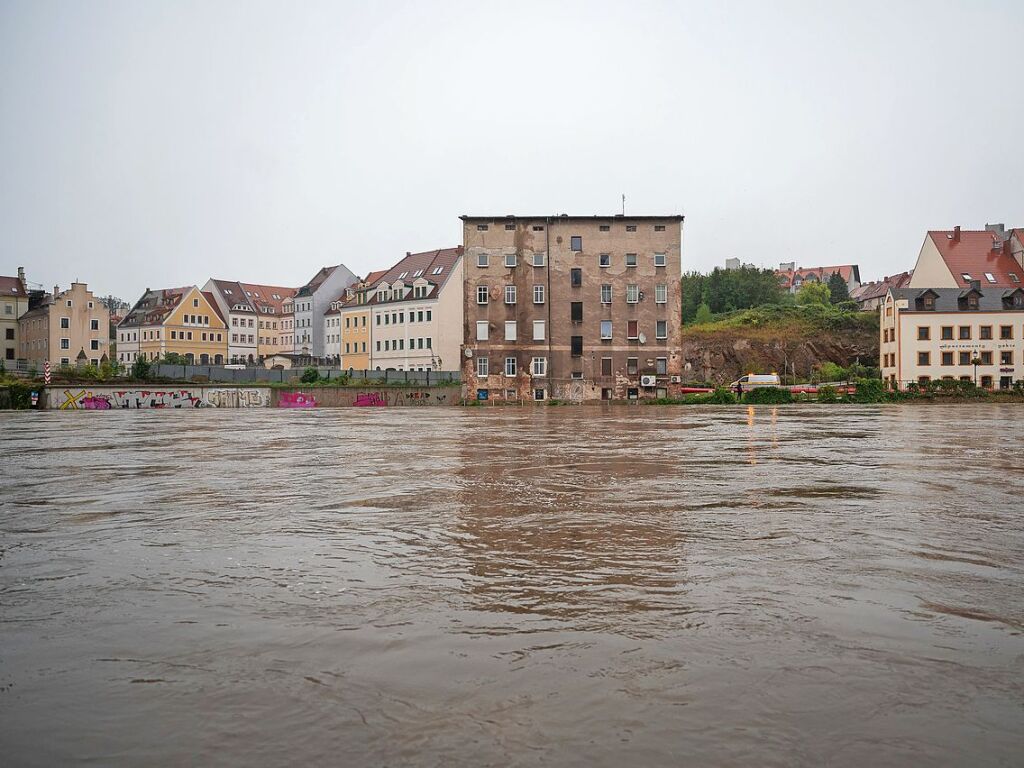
(65, 343)
(633, 294)
(510, 226)
(539, 367)
(539, 259)
(397, 318)
(154, 335)
(237, 338)
(94, 325)
(350, 322)
(397, 345)
(398, 294)
(483, 330)
(984, 357)
(241, 322)
(963, 332)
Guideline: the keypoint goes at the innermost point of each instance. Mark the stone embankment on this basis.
(96, 397)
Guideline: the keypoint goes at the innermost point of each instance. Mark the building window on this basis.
(605, 260)
(538, 294)
(538, 259)
(539, 366)
(510, 294)
(606, 294)
(630, 259)
(632, 366)
(1006, 357)
(661, 294)
(985, 332)
(575, 277)
(576, 243)
(94, 325)
(65, 322)
(576, 311)
(659, 227)
(510, 366)
(947, 333)
(661, 366)
(659, 260)
(632, 294)
(631, 227)
(481, 294)
(986, 382)
(481, 330)
(606, 366)
(510, 226)
(965, 331)
(538, 330)
(924, 358)
(605, 228)
(924, 333)
(483, 260)
(510, 330)
(986, 358)
(538, 228)
(965, 358)
(195, 302)
(482, 365)
(576, 346)
(65, 343)
(661, 329)
(1005, 331)
(510, 260)
(481, 227)
(632, 329)
(606, 329)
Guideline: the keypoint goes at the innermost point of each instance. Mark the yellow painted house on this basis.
(185, 321)
(354, 321)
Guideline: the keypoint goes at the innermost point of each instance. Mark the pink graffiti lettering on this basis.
(370, 399)
(95, 403)
(295, 400)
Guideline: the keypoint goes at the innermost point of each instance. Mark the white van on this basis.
(754, 380)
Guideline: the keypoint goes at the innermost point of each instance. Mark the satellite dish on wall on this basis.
(643, 338)
(468, 352)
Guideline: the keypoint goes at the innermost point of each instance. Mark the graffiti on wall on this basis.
(231, 397)
(370, 400)
(382, 399)
(295, 400)
(129, 398)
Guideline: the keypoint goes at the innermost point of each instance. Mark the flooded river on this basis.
(542, 586)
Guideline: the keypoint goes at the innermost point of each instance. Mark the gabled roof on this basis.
(234, 295)
(948, 299)
(269, 296)
(154, 306)
(879, 288)
(213, 303)
(316, 281)
(972, 253)
(822, 274)
(12, 286)
(441, 261)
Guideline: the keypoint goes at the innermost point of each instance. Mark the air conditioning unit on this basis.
(677, 379)
(648, 381)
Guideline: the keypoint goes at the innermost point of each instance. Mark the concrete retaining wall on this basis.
(105, 397)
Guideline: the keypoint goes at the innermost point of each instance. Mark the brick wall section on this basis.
(615, 236)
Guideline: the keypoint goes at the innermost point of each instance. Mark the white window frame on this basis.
(660, 260)
(511, 366)
(631, 256)
(661, 329)
(636, 335)
(511, 330)
(606, 324)
(632, 293)
(511, 261)
(606, 293)
(482, 330)
(661, 294)
(538, 325)
(483, 260)
(510, 293)
(483, 366)
(482, 293)
(538, 291)
(539, 259)
(539, 366)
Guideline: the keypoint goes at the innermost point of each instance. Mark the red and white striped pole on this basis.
(46, 372)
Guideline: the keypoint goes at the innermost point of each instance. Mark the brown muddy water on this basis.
(592, 586)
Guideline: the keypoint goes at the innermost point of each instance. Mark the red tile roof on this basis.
(154, 306)
(426, 263)
(973, 254)
(879, 288)
(846, 271)
(271, 296)
(12, 286)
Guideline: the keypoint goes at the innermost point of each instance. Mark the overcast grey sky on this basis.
(162, 143)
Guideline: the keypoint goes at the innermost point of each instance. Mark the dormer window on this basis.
(402, 276)
(417, 273)
(990, 277)
(966, 277)
(1014, 278)
(437, 270)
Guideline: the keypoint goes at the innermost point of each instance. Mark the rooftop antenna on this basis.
(623, 204)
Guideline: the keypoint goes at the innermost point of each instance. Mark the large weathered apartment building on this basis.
(571, 307)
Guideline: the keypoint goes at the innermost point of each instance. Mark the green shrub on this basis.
(827, 394)
(768, 396)
(310, 376)
(829, 371)
(722, 396)
(140, 368)
(868, 391)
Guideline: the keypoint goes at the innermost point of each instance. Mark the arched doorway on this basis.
(218, 359)
(190, 359)
(204, 359)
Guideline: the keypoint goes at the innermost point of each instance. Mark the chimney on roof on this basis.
(56, 290)
(408, 254)
(956, 234)
(999, 230)
(21, 274)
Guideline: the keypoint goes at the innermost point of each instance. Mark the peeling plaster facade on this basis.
(571, 307)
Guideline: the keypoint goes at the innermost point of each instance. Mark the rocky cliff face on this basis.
(722, 357)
